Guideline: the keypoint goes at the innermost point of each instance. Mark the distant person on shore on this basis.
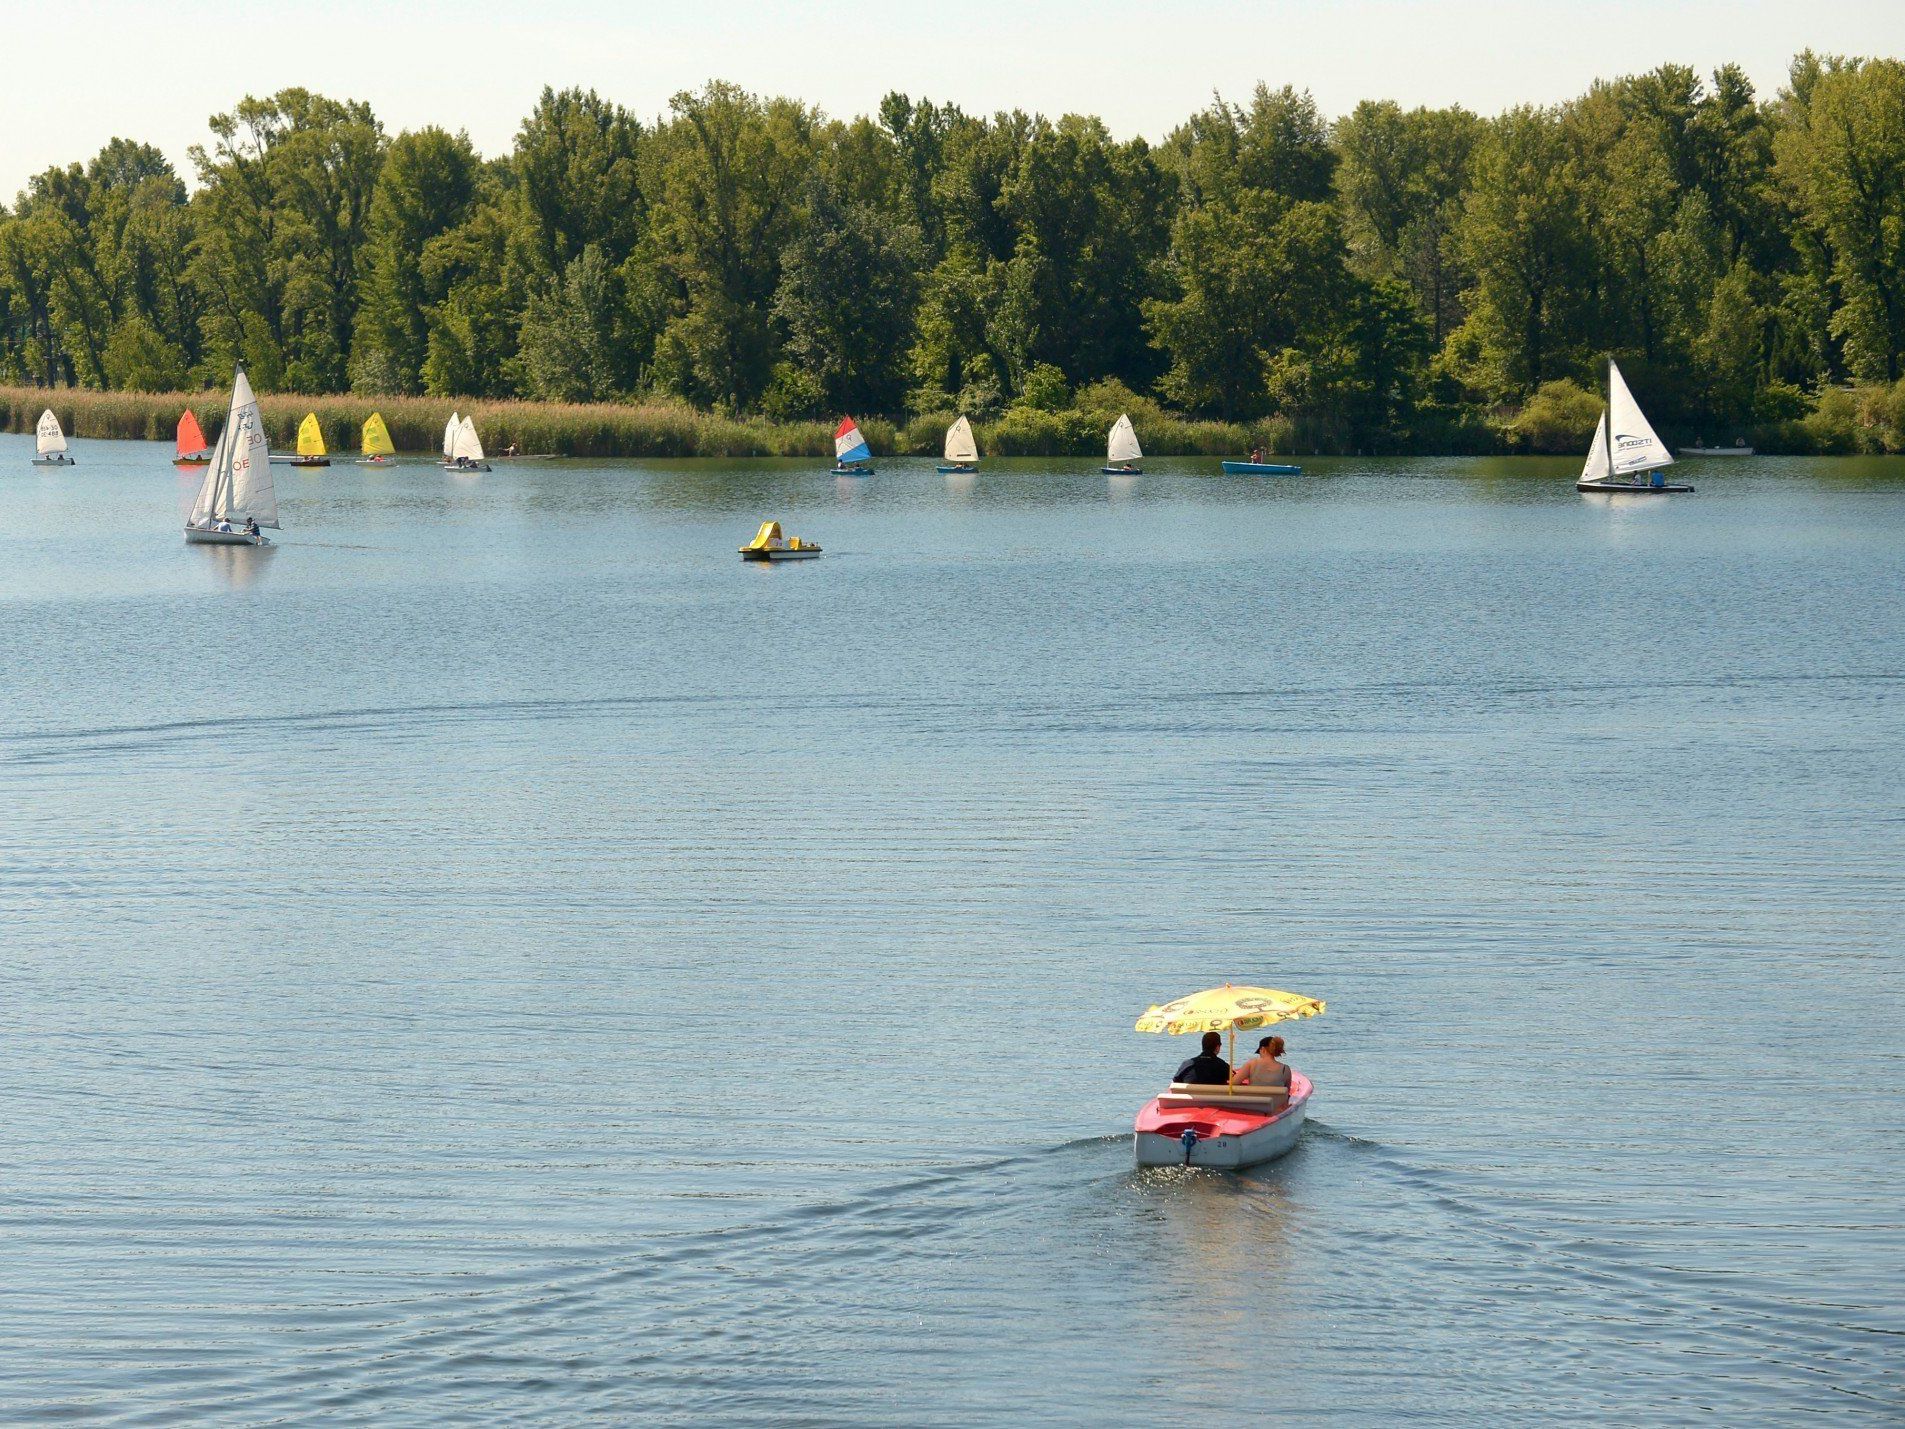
(1206, 1069)
(1264, 1069)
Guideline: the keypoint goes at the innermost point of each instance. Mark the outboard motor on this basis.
(1189, 1138)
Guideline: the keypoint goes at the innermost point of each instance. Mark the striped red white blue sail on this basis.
(849, 447)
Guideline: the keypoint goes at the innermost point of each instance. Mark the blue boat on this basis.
(1260, 468)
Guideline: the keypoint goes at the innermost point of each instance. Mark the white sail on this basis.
(466, 447)
(449, 436)
(1123, 443)
(1596, 468)
(52, 440)
(238, 482)
(1636, 448)
(961, 449)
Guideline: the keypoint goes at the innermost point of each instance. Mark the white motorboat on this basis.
(237, 488)
(1224, 1128)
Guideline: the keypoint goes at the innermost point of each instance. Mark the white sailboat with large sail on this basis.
(50, 442)
(466, 450)
(1122, 452)
(1625, 447)
(962, 452)
(237, 496)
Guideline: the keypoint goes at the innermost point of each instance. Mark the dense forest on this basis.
(1424, 279)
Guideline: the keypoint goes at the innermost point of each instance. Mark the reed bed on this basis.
(604, 429)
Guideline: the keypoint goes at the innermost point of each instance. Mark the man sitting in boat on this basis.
(251, 527)
(1206, 1069)
(1264, 1070)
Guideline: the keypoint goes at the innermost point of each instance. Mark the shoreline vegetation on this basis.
(729, 277)
(1845, 422)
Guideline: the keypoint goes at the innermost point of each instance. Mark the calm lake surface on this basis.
(498, 957)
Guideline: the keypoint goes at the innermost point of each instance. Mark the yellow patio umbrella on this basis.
(1229, 1009)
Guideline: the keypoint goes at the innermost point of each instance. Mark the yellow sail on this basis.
(310, 439)
(377, 437)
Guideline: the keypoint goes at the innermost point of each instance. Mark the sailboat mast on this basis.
(1607, 418)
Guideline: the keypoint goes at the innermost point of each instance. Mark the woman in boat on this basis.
(1264, 1070)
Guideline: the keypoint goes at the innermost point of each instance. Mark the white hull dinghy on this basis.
(237, 488)
(1626, 448)
(50, 441)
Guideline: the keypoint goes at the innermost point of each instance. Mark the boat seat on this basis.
(1183, 1094)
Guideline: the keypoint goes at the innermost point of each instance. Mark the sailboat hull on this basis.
(196, 537)
(52, 461)
(1630, 488)
(310, 461)
(1122, 470)
(202, 460)
(960, 470)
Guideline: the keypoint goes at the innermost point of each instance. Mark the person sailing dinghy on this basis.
(237, 495)
(962, 452)
(377, 446)
(193, 448)
(851, 454)
(310, 443)
(1122, 452)
(1625, 447)
(466, 451)
(50, 442)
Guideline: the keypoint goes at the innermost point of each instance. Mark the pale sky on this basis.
(83, 71)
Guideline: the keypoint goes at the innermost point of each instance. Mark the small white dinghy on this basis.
(51, 442)
(1122, 452)
(1625, 448)
(466, 451)
(237, 489)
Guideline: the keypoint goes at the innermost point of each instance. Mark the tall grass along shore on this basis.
(1559, 419)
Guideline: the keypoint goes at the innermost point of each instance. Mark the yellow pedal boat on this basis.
(770, 545)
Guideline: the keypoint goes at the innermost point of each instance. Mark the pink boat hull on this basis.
(1227, 1137)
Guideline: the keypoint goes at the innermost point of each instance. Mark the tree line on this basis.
(1395, 279)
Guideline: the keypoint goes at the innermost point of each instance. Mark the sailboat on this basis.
(852, 456)
(1625, 447)
(466, 451)
(237, 488)
(51, 441)
(962, 452)
(1122, 452)
(310, 443)
(378, 448)
(193, 450)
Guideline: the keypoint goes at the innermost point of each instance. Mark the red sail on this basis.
(191, 439)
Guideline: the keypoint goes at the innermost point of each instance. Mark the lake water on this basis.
(497, 956)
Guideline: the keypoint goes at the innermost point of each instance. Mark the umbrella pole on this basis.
(1233, 1050)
